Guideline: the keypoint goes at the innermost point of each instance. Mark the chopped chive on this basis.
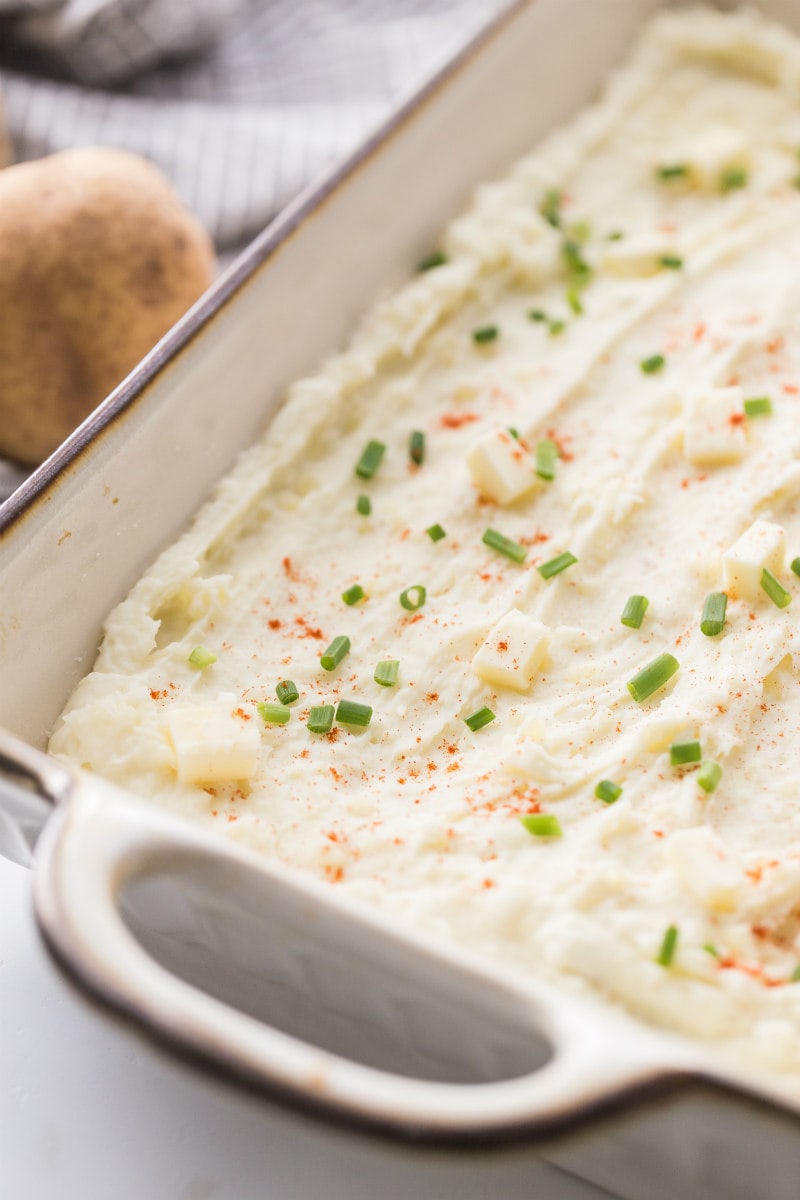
(546, 458)
(550, 207)
(654, 363)
(608, 791)
(364, 506)
(335, 653)
(514, 432)
(413, 598)
(709, 776)
(712, 621)
(370, 459)
(634, 610)
(320, 718)
(681, 753)
(711, 949)
(733, 178)
(574, 301)
(577, 267)
(273, 714)
(387, 671)
(795, 566)
(775, 589)
(478, 719)
(437, 259)
(670, 171)
(556, 327)
(350, 712)
(353, 594)
(667, 952)
(537, 314)
(556, 565)
(672, 262)
(436, 533)
(652, 677)
(486, 333)
(542, 825)
(416, 447)
(504, 545)
(616, 235)
(795, 975)
(201, 658)
(758, 406)
(287, 692)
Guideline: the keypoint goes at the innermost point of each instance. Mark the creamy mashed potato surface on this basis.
(618, 301)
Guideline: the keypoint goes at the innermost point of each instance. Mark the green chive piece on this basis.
(634, 610)
(616, 235)
(273, 714)
(775, 589)
(556, 565)
(758, 406)
(364, 506)
(733, 178)
(413, 598)
(709, 776)
(550, 207)
(505, 545)
(711, 949)
(478, 719)
(287, 692)
(578, 268)
(416, 447)
(712, 621)
(350, 712)
(201, 658)
(320, 718)
(335, 653)
(353, 594)
(486, 333)
(681, 753)
(546, 459)
(537, 314)
(653, 364)
(652, 677)
(436, 533)
(608, 791)
(670, 171)
(672, 262)
(795, 566)
(437, 259)
(795, 975)
(542, 825)
(387, 671)
(667, 952)
(556, 327)
(370, 460)
(574, 301)
(514, 432)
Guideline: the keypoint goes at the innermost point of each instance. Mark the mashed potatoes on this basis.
(605, 370)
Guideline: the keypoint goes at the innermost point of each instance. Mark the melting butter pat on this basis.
(513, 652)
(712, 153)
(212, 745)
(699, 861)
(713, 430)
(638, 255)
(501, 468)
(762, 545)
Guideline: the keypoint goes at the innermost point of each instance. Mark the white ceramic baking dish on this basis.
(250, 970)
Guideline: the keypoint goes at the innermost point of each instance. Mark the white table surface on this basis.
(90, 1111)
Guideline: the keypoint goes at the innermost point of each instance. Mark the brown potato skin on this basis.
(98, 258)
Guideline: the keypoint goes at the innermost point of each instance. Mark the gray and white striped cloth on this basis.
(239, 102)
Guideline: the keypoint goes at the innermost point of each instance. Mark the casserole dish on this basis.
(438, 1049)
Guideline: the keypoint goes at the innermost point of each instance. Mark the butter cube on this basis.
(212, 745)
(762, 545)
(714, 427)
(638, 255)
(513, 651)
(501, 468)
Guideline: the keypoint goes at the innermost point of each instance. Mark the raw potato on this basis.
(98, 258)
